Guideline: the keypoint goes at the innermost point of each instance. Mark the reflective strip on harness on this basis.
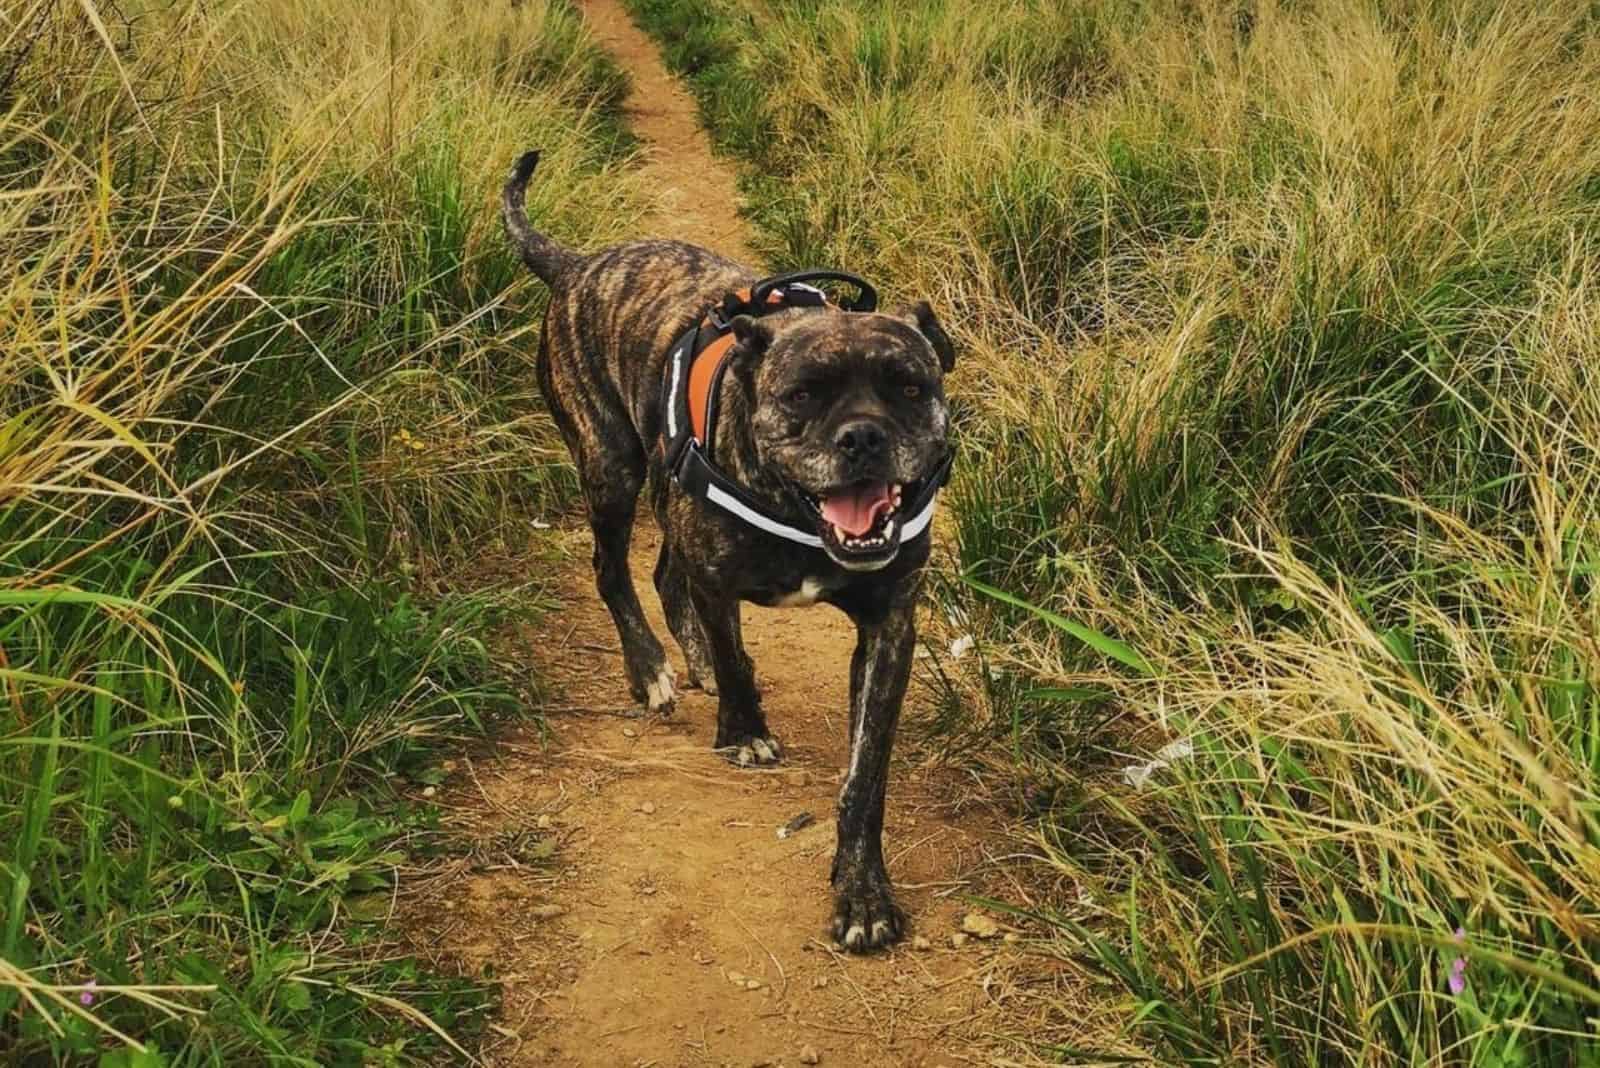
(675, 382)
(919, 522)
(729, 503)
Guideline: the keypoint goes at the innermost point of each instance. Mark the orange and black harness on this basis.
(695, 367)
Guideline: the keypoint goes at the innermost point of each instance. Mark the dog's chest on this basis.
(809, 592)
(789, 587)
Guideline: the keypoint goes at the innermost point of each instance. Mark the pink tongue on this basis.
(854, 510)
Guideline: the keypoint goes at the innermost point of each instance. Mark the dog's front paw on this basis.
(752, 750)
(661, 693)
(866, 918)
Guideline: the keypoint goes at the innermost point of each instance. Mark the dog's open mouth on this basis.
(861, 524)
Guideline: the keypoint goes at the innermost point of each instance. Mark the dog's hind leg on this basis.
(611, 471)
(672, 586)
(611, 488)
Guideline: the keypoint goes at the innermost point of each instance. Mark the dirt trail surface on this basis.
(631, 889)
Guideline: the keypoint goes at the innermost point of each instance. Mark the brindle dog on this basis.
(830, 418)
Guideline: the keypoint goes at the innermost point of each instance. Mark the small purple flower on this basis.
(1457, 979)
(87, 997)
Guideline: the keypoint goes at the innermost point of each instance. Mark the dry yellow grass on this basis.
(1278, 322)
(262, 373)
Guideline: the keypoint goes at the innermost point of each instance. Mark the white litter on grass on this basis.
(1137, 775)
(961, 646)
(540, 524)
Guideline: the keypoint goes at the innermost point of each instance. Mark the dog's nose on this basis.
(861, 439)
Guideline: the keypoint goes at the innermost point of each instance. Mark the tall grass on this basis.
(1278, 322)
(262, 384)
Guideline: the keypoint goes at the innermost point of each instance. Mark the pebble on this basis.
(740, 979)
(545, 822)
(629, 732)
(976, 923)
(920, 942)
(958, 940)
(429, 791)
(648, 808)
(809, 1055)
(800, 822)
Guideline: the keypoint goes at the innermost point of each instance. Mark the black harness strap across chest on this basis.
(696, 364)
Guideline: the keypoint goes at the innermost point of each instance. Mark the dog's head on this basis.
(849, 410)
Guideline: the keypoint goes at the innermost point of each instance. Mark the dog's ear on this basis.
(920, 315)
(751, 337)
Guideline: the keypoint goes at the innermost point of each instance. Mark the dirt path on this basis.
(696, 192)
(670, 925)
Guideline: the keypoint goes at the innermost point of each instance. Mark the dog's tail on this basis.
(543, 256)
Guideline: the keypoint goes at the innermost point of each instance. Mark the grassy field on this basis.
(263, 390)
(1279, 425)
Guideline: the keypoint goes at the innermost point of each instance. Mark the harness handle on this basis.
(866, 297)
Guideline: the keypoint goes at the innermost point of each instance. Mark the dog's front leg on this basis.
(865, 916)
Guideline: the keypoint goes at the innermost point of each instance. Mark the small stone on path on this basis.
(976, 923)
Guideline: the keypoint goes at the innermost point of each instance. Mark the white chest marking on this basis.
(808, 593)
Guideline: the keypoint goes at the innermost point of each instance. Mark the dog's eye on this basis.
(911, 390)
(799, 396)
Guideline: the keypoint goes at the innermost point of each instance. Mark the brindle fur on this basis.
(612, 317)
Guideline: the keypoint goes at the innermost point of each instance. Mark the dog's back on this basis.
(615, 314)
